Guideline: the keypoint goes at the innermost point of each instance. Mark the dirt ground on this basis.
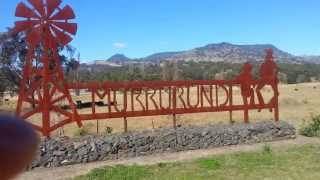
(76, 170)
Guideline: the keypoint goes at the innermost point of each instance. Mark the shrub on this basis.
(313, 128)
(305, 101)
(162, 165)
(81, 132)
(267, 149)
(108, 130)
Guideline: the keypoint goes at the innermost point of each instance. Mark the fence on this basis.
(136, 99)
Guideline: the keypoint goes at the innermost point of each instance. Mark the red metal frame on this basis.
(178, 92)
(46, 27)
(43, 85)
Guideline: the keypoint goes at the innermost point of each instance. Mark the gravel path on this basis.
(76, 170)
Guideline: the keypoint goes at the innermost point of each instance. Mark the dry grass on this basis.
(297, 104)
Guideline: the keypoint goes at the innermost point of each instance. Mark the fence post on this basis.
(246, 114)
(276, 106)
(174, 121)
(174, 99)
(125, 106)
(230, 104)
(93, 101)
(97, 127)
(125, 122)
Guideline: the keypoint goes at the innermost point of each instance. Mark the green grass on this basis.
(295, 163)
(209, 164)
(119, 172)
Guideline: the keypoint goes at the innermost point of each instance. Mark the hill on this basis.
(224, 52)
(220, 52)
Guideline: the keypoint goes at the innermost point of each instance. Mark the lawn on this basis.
(295, 163)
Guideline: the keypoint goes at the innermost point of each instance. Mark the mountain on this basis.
(225, 52)
(118, 59)
(220, 52)
(162, 56)
(310, 59)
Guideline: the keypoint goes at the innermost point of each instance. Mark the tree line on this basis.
(288, 73)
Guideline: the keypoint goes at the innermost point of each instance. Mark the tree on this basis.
(283, 77)
(176, 71)
(301, 78)
(166, 72)
(13, 51)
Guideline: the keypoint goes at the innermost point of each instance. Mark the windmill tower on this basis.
(47, 28)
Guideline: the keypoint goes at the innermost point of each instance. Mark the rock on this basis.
(93, 157)
(204, 133)
(106, 148)
(77, 145)
(83, 151)
(58, 153)
(93, 147)
(65, 151)
(143, 149)
(66, 162)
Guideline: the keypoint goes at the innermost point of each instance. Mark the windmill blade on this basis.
(52, 5)
(68, 27)
(65, 14)
(38, 5)
(61, 37)
(23, 11)
(34, 38)
(24, 25)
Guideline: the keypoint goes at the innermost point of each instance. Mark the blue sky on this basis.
(139, 28)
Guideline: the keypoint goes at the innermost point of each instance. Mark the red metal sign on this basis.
(43, 86)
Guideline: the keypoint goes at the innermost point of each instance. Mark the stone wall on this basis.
(66, 151)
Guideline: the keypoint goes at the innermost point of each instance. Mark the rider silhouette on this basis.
(268, 76)
(245, 78)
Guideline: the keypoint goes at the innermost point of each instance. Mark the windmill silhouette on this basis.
(47, 28)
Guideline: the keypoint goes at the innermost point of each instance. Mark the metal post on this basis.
(174, 121)
(97, 127)
(125, 124)
(174, 94)
(231, 104)
(246, 115)
(276, 109)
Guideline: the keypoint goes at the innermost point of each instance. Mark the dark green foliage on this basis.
(267, 149)
(108, 130)
(289, 73)
(13, 51)
(297, 73)
(312, 129)
(162, 165)
(210, 164)
(120, 74)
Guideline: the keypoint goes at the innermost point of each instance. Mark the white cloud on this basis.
(119, 45)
